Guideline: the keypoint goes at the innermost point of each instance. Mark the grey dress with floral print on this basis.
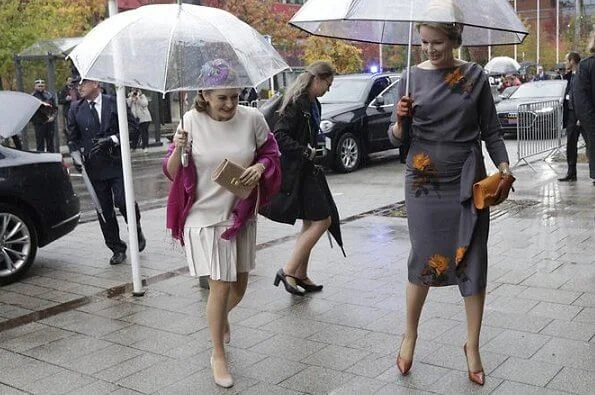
(453, 110)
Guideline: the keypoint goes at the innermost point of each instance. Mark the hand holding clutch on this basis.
(229, 175)
(502, 190)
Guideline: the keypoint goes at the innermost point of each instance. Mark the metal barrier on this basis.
(539, 130)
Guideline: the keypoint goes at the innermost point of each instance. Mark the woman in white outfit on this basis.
(217, 128)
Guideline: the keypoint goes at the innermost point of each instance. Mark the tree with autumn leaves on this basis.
(294, 45)
(25, 22)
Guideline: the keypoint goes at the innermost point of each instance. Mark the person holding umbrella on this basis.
(303, 190)
(92, 129)
(449, 109)
(217, 228)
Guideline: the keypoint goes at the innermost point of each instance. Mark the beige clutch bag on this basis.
(227, 174)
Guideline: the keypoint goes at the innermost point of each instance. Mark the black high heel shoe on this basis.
(280, 277)
(308, 287)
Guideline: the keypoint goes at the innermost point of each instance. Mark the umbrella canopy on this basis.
(502, 65)
(163, 47)
(16, 109)
(493, 22)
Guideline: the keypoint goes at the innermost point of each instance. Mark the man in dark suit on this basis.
(584, 102)
(573, 127)
(43, 119)
(93, 129)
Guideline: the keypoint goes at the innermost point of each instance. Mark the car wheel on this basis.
(348, 153)
(18, 243)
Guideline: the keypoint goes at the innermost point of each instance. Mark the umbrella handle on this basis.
(184, 154)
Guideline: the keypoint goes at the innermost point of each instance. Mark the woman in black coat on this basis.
(301, 193)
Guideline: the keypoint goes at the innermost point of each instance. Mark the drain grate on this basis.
(399, 210)
(396, 210)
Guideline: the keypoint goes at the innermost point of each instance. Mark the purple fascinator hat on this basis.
(216, 73)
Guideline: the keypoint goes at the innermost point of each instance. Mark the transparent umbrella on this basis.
(16, 109)
(163, 48)
(502, 65)
(492, 22)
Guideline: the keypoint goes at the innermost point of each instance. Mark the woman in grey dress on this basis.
(449, 109)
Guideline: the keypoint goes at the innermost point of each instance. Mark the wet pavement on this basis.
(71, 326)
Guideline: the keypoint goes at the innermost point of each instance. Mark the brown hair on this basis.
(200, 104)
(454, 31)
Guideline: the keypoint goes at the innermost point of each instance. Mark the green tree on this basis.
(25, 22)
(345, 57)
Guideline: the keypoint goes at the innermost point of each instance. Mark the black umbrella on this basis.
(335, 228)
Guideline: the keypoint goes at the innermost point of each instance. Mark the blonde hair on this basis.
(301, 84)
(591, 45)
(454, 31)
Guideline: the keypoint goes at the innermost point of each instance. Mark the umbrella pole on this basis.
(137, 286)
(409, 45)
(184, 153)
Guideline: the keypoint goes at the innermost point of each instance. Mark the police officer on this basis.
(43, 120)
(93, 129)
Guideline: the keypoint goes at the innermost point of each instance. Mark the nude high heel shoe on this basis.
(403, 365)
(475, 377)
(225, 382)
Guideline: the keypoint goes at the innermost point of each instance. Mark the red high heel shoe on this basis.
(403, 365)
(475, 377)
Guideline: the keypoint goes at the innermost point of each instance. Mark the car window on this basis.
(390, 95)
(345, 90)
(379, 85)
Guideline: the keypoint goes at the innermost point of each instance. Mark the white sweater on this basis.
(212, 142)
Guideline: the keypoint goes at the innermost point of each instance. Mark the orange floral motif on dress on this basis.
(421, 161)
(454, 77)
(424, 175)
(434, 272)
(457, 82)
(460, 254)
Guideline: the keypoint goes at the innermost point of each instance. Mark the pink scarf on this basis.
(182, 193)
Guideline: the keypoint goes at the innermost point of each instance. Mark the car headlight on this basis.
(544, 110)
(326, 126)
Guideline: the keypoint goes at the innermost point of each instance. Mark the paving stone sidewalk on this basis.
(538, 335)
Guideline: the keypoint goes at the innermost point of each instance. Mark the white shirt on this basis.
(212, 142)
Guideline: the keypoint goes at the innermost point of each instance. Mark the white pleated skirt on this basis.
(210, 255)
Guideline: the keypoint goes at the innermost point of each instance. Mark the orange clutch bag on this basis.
(227, 174)
(483, 189)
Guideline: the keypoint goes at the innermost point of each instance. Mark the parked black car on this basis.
(37, 206)
(530, 92)
(355, 116)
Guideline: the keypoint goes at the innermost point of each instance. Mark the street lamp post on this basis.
(515, 46)
(557, 31)
(538, 24)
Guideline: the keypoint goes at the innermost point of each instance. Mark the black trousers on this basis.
(111, 192)
(142, 134)
(572, 134)
(44, 136)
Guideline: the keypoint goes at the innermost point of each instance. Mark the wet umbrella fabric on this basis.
(335, 227)
(502, 65)
(163, 47)
(388, 22)
(16, 110)
(78, 159)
